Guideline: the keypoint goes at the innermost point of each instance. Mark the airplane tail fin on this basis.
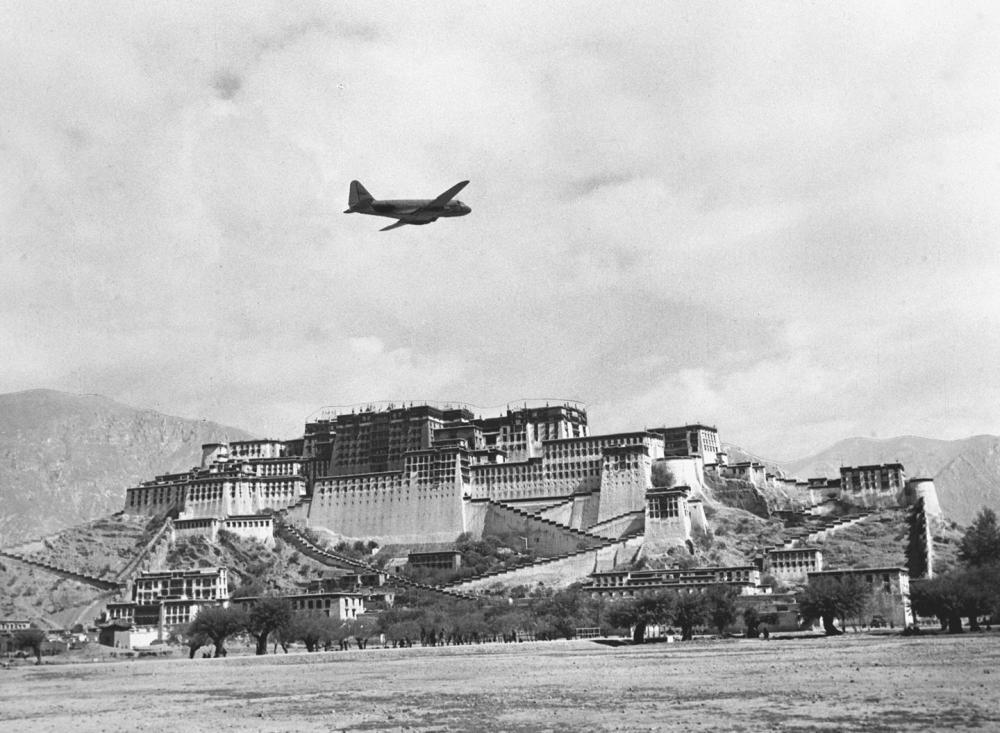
(358, 197)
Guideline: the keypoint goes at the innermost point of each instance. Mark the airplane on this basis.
(407, 211)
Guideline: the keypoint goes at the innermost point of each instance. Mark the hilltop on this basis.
(966, 472)
(66, 458)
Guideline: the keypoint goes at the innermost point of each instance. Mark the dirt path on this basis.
(857, 683)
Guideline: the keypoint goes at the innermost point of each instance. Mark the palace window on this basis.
(663, 507)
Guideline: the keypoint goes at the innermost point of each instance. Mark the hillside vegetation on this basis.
(100, 548)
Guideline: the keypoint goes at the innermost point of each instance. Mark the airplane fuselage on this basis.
(413, 211)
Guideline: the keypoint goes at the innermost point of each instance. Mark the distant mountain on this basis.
(966, 472)
(66, 459)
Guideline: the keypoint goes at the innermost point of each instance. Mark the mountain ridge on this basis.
(67, 458)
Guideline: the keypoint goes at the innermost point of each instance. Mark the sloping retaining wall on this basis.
(560, 571)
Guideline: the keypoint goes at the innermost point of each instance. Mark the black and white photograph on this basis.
(499, 366)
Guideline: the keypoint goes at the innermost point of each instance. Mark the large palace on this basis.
(588, 507)
(427, 473)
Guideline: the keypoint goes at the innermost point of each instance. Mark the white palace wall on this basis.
(388, 508)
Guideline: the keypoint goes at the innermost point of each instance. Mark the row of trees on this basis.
(272, 618)
(973, 589)
(420, 617)
(29, 640)
(829, 599)
(556, 614)
(716, 607)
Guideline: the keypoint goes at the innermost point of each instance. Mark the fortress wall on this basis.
(474, 513)
(526, 480)
(217, 496)
(624, 480)
(271, 467)
(387, 508)
(260, 529)
(299, 512)
(202, 528)
(688, 471)
(923, 488)
(544, 537)
(220, 497)
(662, 534)
(152, 500)
(206, 501)
(699, 523)
(277, 492)
(874, 498)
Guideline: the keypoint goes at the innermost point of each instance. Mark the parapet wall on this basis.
(620, 526)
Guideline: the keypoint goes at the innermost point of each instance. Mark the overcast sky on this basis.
(781, 219)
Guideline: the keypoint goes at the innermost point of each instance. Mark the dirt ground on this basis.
(853, 683)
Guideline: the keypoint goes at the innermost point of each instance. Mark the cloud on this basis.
(780, 219)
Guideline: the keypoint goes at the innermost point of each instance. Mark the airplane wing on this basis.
(393, 226)
(445, 197)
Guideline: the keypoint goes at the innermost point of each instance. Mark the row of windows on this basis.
(663, 507)
(256, 523)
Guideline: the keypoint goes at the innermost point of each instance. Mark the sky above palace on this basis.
(778, 218)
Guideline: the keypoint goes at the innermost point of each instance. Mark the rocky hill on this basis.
(106, 548)
(66, 459)
(966, 472)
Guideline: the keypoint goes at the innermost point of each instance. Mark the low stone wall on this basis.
(560, 572)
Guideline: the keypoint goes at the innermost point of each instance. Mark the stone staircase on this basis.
(581, 534)
(510, 574)
(132, 568)
(291, 534)
(814, 528)
(91, 580)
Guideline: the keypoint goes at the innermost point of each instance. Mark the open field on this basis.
(853, 683)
